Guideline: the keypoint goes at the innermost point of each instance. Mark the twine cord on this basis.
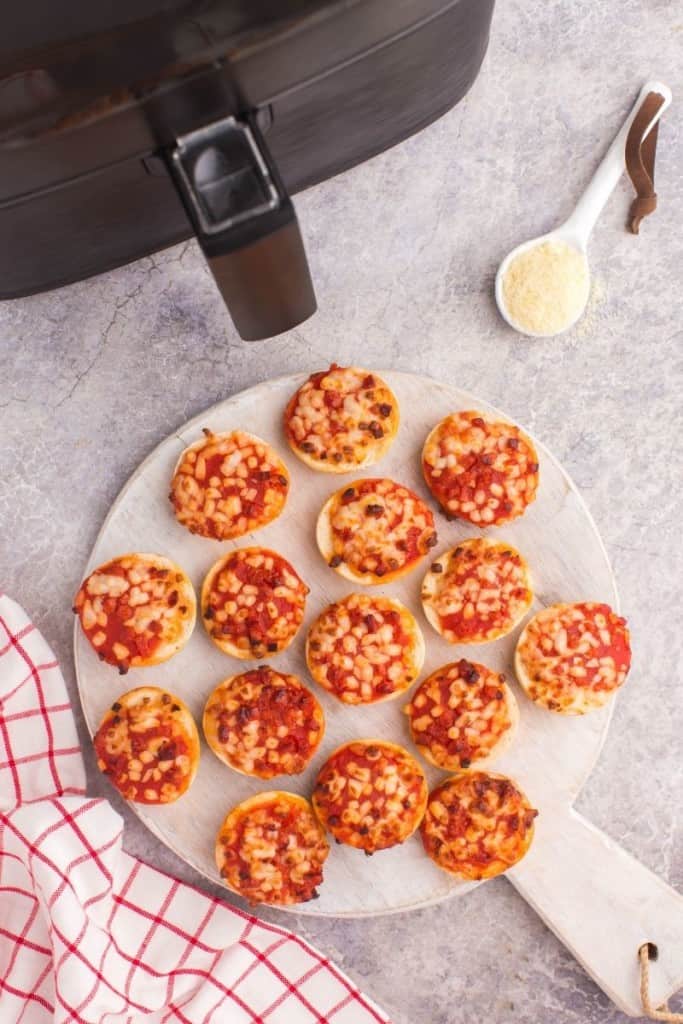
(646, 953)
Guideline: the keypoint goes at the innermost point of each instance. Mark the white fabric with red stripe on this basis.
(90, 935)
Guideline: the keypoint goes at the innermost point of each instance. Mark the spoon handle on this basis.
(590, 205)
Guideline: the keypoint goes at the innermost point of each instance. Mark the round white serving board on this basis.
(552, 755)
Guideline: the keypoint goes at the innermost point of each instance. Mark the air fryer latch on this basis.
(246, 225)
(225, 177)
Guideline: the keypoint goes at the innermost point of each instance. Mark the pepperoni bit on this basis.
(374, 510)
(437, 567)
(376, 430)
(384, 410)
(477, 422)
(513, 442)
(468, 671)
(335, 561)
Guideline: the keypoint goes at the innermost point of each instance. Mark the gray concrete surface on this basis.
(403, 251)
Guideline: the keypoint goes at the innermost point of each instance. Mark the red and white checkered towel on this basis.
(90, 934)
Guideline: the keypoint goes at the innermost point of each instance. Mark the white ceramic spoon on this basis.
(576, 231)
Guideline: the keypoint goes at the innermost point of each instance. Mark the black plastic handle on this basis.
(246, 225)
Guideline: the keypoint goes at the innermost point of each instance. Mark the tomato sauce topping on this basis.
(478, 591)
(379, 527)
(255, 601)
(265, 723)
(145, 750)
(133, 605)
(479, 469)
(575, 655)
(370, 795)
(228, 485)
(459, 714)
(272, 852)
(363, 649)
(338, 416)
(477, 825)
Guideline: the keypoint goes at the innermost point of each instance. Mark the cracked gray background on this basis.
(403, 251)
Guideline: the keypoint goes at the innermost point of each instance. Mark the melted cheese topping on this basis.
(378, 529)
(477, 825)
(271, 849)
(370, 795)
(341, 419)
(479, 469)
(461, 714)
(136, 610)
(253, 603)
(365, 649)
(572, 657)
(476, 592)
(228, 485)
(264, 723)
(147, 744)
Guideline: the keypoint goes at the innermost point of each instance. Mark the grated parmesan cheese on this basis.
(546, 288)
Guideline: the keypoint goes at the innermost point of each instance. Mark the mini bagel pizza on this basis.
(365, 649)
(271, 849)
(148, 746)
(477, 825)
(341, 419)
(374, 530)
(227, 485)
(370, 794)
(463, 714)
(263, 723)
(136, 610)
(252, 603)
(477, 591)
(480, 469)
(572, 658)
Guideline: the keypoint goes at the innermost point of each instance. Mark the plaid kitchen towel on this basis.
(89, 934)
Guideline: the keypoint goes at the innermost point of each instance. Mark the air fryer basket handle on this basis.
(246, 225)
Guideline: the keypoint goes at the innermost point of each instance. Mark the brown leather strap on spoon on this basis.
(640, 160)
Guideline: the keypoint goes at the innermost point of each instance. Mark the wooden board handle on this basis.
(603, 905)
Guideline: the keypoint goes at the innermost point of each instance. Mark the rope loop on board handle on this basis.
(647, 952)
